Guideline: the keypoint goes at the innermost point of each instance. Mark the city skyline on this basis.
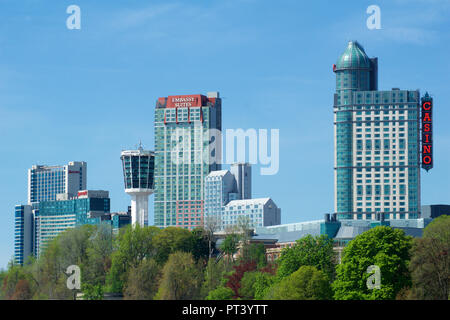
(72, 99)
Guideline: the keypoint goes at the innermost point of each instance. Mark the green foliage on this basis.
(11, 278)
(382, 246)
(74, 243)
(307, 283)
(22, 291)
(262, 284)
(92, 292)
(308, 251)
(181, 278)
(131, 262)
(438, 229)
(3, 275)
(143, 281)
(220, 293)
(254, 252)
(133, 245)
(214, 276)
(247, 290)
(49, 272)
(229, 245)
(99, 251)
(170, 240)
(200, 249)
(430, 261)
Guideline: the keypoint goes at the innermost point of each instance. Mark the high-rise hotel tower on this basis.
(377, 155)
(187, 148)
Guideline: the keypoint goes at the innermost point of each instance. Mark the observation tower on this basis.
(138, 169)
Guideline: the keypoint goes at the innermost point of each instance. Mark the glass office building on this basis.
(89, 207)
(23, 233)
(187, 149)
(377, 165)
(45, 182)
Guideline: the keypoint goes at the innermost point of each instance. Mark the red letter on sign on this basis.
(427, 149)
(426, 127)
(426, 159)
(426, 117)
(426, 106)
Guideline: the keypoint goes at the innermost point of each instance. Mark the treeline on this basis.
(175, 264)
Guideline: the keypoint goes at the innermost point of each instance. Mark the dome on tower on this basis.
(354, 57)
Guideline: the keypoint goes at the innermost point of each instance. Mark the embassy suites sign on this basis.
(185, 101)
(427, 132)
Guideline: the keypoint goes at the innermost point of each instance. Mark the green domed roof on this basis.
(354, 57)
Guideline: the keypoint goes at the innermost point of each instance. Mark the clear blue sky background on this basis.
(68, 95)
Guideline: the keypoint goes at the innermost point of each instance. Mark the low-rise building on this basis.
(257, 212)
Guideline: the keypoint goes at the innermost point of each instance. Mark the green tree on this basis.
(247, 289)
(430, 261)
(143, 281)
(307, 283)
(49, 273)
(262, 284)
(254, 252)
(181, 278)
(92, 292)
(170, 240)
(214, 275)
(211, 224)
(229, 246)
(11, 279)
(3, 275)
(99, 251)
(382, 246)
(314, 251)
(133, 245)
(201, 244)
(22, 291)
(220, 293)
(74, 243)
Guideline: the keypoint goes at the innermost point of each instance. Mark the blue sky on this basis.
(70, 95)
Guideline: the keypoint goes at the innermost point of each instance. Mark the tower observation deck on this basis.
(138, 169)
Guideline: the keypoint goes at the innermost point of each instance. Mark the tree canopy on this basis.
(316, 251)
(307, 283)
(430, 262)
(387, 248)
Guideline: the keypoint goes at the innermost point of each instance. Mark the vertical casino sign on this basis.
(427, 132)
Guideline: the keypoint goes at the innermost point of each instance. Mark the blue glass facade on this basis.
(19, 234)
(45, 182)
(57, 216)
(376, 143)
(138, 171)
(354, 71)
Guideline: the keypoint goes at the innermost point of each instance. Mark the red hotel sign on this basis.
(82, 193)
(427, 132)
(194, 100)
